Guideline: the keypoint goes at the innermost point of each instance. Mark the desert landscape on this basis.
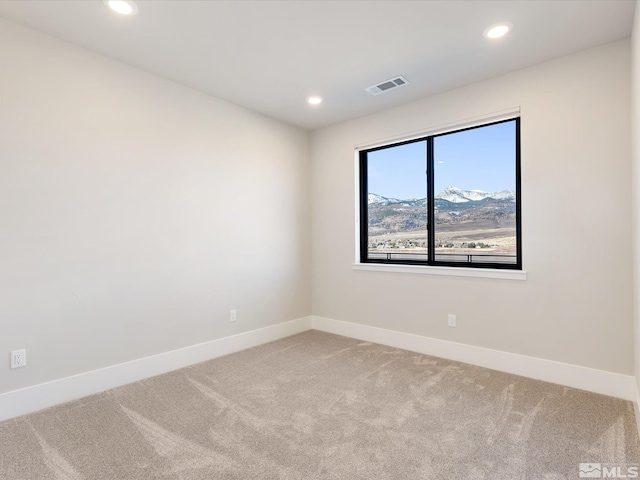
(470, 225)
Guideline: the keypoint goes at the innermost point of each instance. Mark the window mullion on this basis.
(431, 234)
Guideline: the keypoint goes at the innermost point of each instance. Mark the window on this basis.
(451, 199)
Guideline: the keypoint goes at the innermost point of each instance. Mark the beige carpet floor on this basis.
(321, 406)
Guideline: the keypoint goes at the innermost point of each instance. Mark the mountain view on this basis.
(467, 222)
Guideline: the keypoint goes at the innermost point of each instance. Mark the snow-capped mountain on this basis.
(451, 194)
(375, 199)
(458, 209)
(458, 195)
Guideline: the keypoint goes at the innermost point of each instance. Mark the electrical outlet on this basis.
(232, 316)
(19, 358)
(452, 320)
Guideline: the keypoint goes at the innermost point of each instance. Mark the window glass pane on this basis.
(475, 195)
(397, 202)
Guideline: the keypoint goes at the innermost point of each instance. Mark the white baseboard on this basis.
(584, 378)
(37, 397)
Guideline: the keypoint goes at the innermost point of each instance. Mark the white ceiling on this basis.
(270, 55)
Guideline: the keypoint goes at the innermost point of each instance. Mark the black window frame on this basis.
(431, 261)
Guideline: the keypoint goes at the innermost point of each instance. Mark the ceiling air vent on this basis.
(387, 85)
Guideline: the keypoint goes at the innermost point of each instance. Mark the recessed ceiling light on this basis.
(314, 100)
(498, 30)
(123, 7)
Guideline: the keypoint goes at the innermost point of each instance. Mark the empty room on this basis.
(319, 239)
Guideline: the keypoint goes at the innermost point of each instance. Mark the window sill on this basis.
(520, 275)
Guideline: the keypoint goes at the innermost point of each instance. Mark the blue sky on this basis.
(477, 159)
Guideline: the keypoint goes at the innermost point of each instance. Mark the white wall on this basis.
(135, 213)
(576, 306)
(635, 145)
